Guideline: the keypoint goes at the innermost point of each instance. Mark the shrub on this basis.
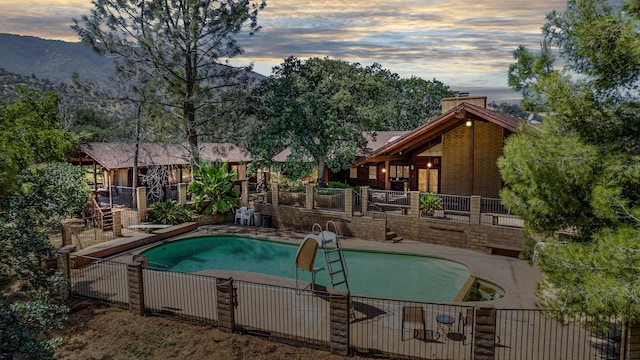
(170, 213)
(429, 203)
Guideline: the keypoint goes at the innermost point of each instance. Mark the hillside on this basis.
(52, 59)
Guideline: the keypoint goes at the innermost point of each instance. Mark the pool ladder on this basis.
(333, 256)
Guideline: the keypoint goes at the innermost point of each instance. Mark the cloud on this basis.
(460, 42)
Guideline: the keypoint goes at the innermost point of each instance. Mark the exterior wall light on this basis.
(469, 123)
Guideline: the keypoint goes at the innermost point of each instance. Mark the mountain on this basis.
(52, 59)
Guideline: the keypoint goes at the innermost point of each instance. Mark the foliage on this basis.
(175, 46)
(318, 108)
(170, 213)
(212, 188)
(514, 110)
(580, 170)
(30, 133)
(419, 101)
(429, 203)
(338, 185)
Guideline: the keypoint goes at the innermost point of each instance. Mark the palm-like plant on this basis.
(429, 203)
(212, 188)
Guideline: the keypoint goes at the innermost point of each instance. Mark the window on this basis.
(353, 173)
(373, 172)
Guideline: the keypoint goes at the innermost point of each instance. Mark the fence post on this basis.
(244, 193)
(474, 216)
(484, 343)
(275, 195)
(141, 203)
(136, 287)
(310, 197)
(415, 204)
(632, 340)
(348, 202)
(364, 199)
(339, 318)
(64, 264)
(182, 193)
(117, 223)
(226, 303)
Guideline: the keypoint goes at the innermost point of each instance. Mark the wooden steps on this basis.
(393, 237)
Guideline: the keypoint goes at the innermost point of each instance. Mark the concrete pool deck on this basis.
(518, 278)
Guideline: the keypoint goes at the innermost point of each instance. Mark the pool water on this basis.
(384, 275)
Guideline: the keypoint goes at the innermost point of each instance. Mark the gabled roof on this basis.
(374, 141)
(453, 118)
(120, 155)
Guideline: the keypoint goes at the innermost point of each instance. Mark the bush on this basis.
(429, 203)
(170, 213)
(337, 185)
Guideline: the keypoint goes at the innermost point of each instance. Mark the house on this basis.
(455, 153)
(114, 162)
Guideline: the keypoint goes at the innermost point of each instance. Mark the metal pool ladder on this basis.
(333, 256)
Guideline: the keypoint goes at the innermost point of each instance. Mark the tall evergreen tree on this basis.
(179, 44)
(580, 170)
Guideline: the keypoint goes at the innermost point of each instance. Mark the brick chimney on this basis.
(450, 103)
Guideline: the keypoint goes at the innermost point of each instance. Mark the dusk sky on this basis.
(466, 44)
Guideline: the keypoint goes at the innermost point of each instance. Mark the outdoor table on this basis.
(445, 323)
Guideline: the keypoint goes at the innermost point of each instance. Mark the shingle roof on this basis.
(380, 139)
(120, 155)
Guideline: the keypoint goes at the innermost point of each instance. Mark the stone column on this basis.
(309, 200)
(632, 339)
(339, 309)
(244, 193)
(415, 204)
(226, 302)
(484, 343)
(141, 203)
(348, 202)
(275, 195)
(474, 216)
(364, 195)
(117, 223)
(64, 264)
(182, 193)
(136, 287)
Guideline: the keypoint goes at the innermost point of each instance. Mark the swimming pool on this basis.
(384, 275)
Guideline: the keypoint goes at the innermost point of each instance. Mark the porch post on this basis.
(387, 184)
(141, 202)
(309, 197)
(275, 195)
(364, 197)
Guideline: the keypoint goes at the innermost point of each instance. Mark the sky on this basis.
(466, 44)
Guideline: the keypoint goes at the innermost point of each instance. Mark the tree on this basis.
(30, 133)
(580, 170)
(319, 109)
(419, 101)
(178, 45)
(33, 197)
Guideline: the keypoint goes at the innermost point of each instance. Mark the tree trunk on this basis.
(320, 180)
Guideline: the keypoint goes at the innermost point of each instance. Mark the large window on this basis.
(353, 173)
(373, 172)
(399, 171)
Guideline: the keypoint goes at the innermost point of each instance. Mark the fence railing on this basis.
(101, 280)
(411, 329)
(183, 295)
(529, 334)
(389, 197)
(395, 328)
(281, 312)
(329, 199)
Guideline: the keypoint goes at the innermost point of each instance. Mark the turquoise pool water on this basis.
(384, 275)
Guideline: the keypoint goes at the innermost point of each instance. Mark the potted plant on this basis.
(430, 205)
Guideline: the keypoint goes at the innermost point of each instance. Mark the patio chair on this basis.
(247, 217)
(239, 213)
(413, 319)
(305, 258)
(465, 321)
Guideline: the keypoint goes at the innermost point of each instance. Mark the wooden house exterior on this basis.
(455, 153)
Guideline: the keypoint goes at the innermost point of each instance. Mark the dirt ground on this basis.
(98, 331)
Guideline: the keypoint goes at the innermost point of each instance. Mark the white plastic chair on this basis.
(247, 217)
(239, 213)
